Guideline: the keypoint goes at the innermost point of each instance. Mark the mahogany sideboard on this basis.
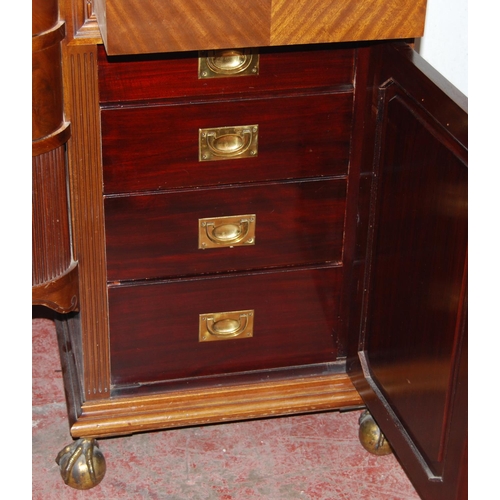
(242, 212)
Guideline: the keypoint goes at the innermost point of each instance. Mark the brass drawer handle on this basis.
(235, 230)
(227, 63)
(226, 325)
(228, 234)
(227, 143)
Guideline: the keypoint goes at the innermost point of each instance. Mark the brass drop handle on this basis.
(227, 234)
(226, 143)
(227, 231)
(229, 144)
(228, 63)
(227, 327)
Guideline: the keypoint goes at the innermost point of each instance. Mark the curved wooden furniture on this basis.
(55, 273)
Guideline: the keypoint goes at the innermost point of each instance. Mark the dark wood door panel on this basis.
(414, 332)
(417, 279)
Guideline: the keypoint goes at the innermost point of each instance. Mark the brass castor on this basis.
(82, 464)
(370, 436)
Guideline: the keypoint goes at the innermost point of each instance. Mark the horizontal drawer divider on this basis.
(225, 99)
(214, 187)
(221, 275)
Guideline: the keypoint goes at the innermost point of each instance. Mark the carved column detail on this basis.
(54, 272)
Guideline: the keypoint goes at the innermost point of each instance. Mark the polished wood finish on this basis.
(130, 27)
(154, 236)
(299, 137)
(81, 21)
(47, 99)
(166, 76)
(50, 225)
(413, 342)
(182, 25)
(87, 212)
(44, 15)
(313, 21)
(61, 294)
(54, 272)
(216, 404)
(157, 339)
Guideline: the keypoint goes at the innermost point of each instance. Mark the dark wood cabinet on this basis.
(288, 238)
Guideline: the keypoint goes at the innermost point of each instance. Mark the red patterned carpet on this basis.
(312, 457)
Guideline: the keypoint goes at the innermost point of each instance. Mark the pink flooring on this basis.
(311, 457)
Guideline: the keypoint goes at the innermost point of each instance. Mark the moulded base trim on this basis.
(123, 416)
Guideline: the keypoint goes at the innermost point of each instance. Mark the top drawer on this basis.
(148, 26)
(139, 78)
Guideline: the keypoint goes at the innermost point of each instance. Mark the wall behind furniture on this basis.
(445, 41)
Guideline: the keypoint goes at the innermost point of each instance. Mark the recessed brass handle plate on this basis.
(231, 231)
(228, 63)
(228, 143)
(229, 325)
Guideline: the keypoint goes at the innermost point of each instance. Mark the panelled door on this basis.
(411, 364)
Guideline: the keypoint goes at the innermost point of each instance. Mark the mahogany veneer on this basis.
(157, 339)
(299, 137)
(156, 235)
(163, 76)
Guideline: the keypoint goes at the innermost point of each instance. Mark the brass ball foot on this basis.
(82, 464)
(371, 437)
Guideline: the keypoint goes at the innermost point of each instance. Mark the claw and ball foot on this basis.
(371, 437)
(82, 464)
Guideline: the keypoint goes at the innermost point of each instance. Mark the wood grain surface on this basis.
(170, 76)
(85, 174)
(299, 137)
(217, 404)
(156, 235)
(154, 326)
(130, 27)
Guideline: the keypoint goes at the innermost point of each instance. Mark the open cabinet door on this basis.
(411, 367)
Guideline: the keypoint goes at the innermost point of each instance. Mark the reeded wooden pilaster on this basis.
(54, 272)
(85, 173)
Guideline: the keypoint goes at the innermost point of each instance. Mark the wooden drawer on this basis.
(157, 235)
(165, 76)
(154, 328)
(158, 147)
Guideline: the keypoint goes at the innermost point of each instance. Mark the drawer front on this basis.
(158, 147)
(157, 235)
(154, 328)
(164, 76)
